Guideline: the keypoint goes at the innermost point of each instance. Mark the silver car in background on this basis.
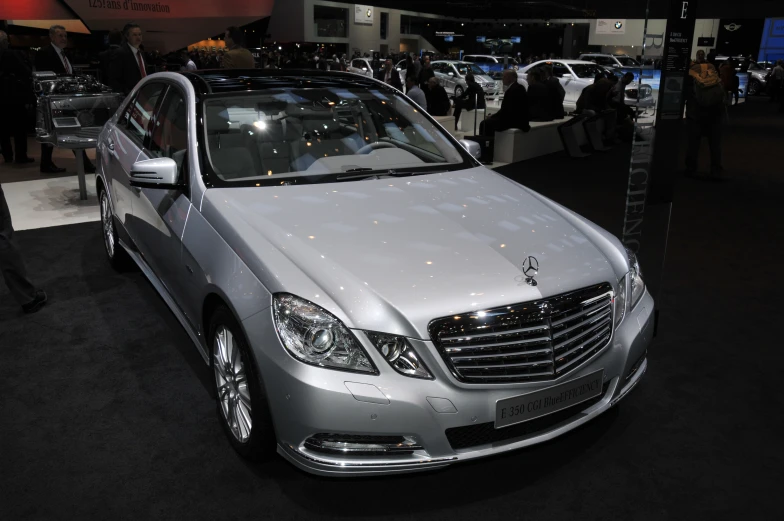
(369, 298)
(451, 75)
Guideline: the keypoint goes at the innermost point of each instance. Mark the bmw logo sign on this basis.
(369, 13)
(618, 25)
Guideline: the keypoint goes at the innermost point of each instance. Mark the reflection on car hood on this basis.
(392, 254)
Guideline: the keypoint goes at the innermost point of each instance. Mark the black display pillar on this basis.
(656, 153)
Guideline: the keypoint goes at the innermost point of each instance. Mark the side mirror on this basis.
(451, 74)
(472, 147)
(155, 173)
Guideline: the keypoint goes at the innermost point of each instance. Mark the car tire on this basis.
(458, 91)
(754, 88)
(242, 406)
(118, 257)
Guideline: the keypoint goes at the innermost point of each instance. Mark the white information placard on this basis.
(610, 26)
(363, 14)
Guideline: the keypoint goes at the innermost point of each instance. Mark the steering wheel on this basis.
(374, 146)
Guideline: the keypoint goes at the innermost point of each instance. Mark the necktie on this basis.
(65, 63)
(141, 63)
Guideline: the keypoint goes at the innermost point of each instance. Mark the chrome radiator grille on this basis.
(532, 341)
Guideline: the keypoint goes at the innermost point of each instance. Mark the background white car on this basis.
(361, 66)
(610, 60)
(575, 75)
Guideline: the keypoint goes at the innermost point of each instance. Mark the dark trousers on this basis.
(13, 126)
(46, 155)
(11, 263)
(696, 130)
(461, 105)
(489, 127)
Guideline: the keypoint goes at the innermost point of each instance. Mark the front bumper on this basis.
(307, 400)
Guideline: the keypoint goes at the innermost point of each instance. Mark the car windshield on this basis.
(586, 70)
(464, 68)
(272, 136)
(626, 61)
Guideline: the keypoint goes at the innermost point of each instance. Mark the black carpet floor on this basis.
(105, 410)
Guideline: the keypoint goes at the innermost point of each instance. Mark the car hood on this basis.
(392, 254)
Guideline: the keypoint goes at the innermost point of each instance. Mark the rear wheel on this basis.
(241, 401)
(118, 258)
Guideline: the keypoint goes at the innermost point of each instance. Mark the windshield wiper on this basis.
(369, 173)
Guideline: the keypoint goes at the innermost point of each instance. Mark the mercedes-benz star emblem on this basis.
(530, 270)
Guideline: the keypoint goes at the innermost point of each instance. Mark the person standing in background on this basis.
(703, 118)
(187, 63)
(391, 76)
(426, 74)
(53, 59)
(415, 93)
(105, 57)
(777, 81)
(15, 78)
(12, 266)
(128, 67)
(728, 75)
(237, 57)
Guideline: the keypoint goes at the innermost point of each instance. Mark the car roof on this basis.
(218, 81)
(567, 62)
(481, 56)
(606, 55)
(453, 62)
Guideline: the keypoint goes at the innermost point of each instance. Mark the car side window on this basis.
(560, 70)
(137, 116)
(169, 135)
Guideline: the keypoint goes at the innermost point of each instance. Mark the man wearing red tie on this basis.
(128, 66)
(54, 59)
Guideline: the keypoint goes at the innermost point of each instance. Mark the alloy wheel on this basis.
(231, 381)
(754, 88)
(108, 225)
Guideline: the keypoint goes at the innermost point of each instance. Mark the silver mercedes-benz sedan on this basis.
(369, 298)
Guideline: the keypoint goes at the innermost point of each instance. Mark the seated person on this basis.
(539, 100)
(472, 98)
(594, 98)
(617, 95)
(514, 111)
(437, 100)
(557, 92)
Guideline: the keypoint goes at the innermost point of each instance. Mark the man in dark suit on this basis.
(390, 76)
(425, 74)
(12, 266)
(128, 66)
(106, 57)
(514, 108)
(53, 59)
(14, 90)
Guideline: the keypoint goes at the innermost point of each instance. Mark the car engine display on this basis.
(72, 109)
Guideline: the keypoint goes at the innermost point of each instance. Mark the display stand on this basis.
(80, 173)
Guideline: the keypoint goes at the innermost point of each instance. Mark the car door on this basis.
(567, 79)
(159, 215)
(125, 141)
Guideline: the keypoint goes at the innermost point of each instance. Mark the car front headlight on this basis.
(314, 336)
(620, 301)
(399, 353)
(636, 284)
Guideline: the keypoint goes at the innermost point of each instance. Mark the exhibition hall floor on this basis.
(106, 408)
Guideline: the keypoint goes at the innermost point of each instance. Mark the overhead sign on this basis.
(481, 39)
(363, 14)
(611, 26)
(516, 39)
(706, 41)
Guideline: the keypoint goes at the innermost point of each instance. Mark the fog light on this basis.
(366, 445)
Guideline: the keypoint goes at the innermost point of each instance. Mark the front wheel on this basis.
(754, 88)
(241, 401)
(118, 258)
